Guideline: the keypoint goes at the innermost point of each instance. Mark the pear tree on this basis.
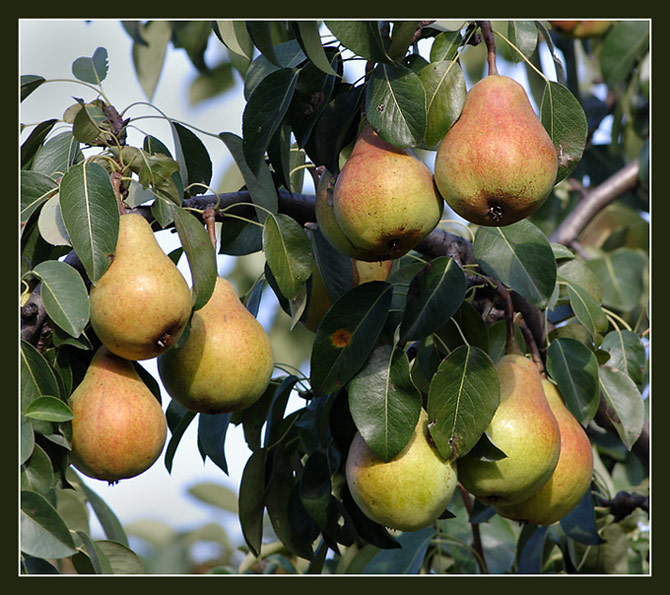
(447, 220)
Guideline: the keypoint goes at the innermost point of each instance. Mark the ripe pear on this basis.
(119, 428)
(226, 361)
(496, 164)
(571, 478)
(384, 199)
(581, 29)
(141, 304)
(525, 429)
(406, 493)
(319, 299)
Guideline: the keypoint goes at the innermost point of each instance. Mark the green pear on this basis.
(141, 304)
(119, 428)
(225, 362)
(571, 478)
(496, 164)
(525, 429)
(384, 200)
(319, 299)
(406, 493)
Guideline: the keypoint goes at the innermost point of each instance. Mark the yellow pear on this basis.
(226, 361)
(384, 199)
(496, 164)
(406, 493)
(525, 429)
(581, 29)
(119, 428)
(571, 478)
(141, 304)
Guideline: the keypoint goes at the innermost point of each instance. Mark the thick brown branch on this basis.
(595, 200)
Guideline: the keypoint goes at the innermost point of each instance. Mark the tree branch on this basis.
(594, 201)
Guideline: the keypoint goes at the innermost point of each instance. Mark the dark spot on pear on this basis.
(495, 212)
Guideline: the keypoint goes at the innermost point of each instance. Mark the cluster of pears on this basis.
(546, 471)
(140, 308)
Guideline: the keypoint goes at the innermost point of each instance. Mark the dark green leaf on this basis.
(178, 419)
(200, 254)
(91, 70)
(335, 267)
(575, 272)
(580, 523)
(234, 35)
(290, 55)
(463, 396)
(347, 335)
(88, 124)
(530, 556)
(444, 84)
(310, 41)
(626, 353)
(361, 37)
(44, 534)
(574, 368)
(261, 34)
(30, 82)
(37, 473)
(265, 109)
(49, 409)
(36, 188)
(91, 216)
(212, 438)
(558, 62)
(445, 46)
(384, 402)
(626, 404)
(34, 141)
(277, 409)
(56, 156)
(64, 294)
(193, 158)
(521, 257)
(434, 295)
(251, 500)
(395, 105)
(564, 119)
(402, 37)
(288, 253)
(625, 43)
(406, 560)
(27, 439)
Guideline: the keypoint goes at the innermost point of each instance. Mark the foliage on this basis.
(436, 324)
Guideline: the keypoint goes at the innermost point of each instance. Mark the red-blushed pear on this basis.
(496, 164)
(119, 428)
(581, 29)
(408, 492)
(226, 361)
(571, 478)
(141, 304)
(384, 199)
(525, 429)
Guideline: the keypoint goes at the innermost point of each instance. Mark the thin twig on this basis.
(489, 39)
(476, 535)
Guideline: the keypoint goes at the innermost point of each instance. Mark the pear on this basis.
(119, 428)
(406, 493)
(581, 29)
(571, 478)
(384, 199)
(225, 362)
(141, 303)
(496, 164)
(319, 299)
(525, 429)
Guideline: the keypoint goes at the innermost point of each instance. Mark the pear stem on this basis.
(209, 215)
(531, 344)
(489, 39)
(116, 179)
(511, 344)
(476, 535)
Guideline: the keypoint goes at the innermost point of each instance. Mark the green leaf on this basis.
(565, 121)
(347, 335)
(558, 62)
(395, 105)
(108, 520)
(178, 419)
(36, 188)
(215, 494)
(289, 54)
(57, 155)
(622, 276)
(35, 140)
(44, 534)
(261, 34)
(361, 37)
(27, 440)
(444, 84)
(265, 109)
(625, 43)
(434, 295)
(408, 559)
(575, 272)
(37, 376)
(288, 252)
(234, 35)
(574, 368)
(91, 70)
(626, 353)
(49, 409)
(30, 82)
(445, 46)
(464, 394)
(384, 402)
(200, 254)
(37, 473)
(251, 500)
(587, 310)
(91, 216)
(195, 164)
(520, 256)
(51, 225)
(149, 55)
(121, 558)
(212, 438)
(401, 38)
(310, 41)
(64, 294)
(523, 34)
(260, 185)
(627, 411)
